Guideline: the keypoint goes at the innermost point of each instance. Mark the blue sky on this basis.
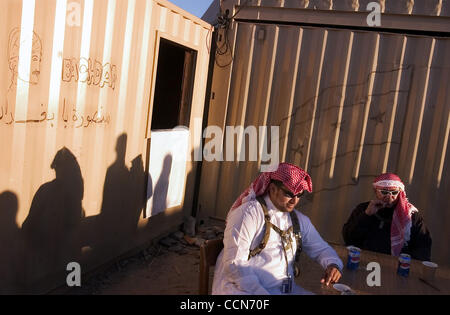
(196, 7)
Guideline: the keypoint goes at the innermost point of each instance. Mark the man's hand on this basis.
(332, 275)
(374, 206)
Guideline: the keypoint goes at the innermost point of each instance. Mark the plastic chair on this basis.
(208, 256)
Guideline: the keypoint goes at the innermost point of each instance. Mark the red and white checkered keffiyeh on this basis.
(293, 177)
(401, 219)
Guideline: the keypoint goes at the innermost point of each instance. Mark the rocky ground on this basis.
(169, 267)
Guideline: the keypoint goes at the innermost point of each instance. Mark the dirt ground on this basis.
(171, 267)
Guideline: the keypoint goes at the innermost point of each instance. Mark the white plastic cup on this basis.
(428, 270)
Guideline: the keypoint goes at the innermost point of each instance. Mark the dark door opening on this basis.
(174, 86)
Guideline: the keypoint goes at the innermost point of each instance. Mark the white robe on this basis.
(264, 273)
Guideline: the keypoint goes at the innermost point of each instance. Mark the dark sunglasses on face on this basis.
(391, 192)
(287, 193)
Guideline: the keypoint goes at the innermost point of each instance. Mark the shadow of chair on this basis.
(208, 256)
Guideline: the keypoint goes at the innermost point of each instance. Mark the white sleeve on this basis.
(242, 226)
(315, 247)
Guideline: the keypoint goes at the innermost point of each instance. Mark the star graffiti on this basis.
(379, 119)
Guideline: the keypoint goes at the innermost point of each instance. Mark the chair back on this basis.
(208, 256)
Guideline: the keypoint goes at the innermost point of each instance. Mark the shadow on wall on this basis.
(159, 201)
(123, 201)
(51, 228)
(34, 258)
(9, 243)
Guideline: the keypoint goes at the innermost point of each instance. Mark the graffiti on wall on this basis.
(69, 116)
(31, 75)
(91, 72)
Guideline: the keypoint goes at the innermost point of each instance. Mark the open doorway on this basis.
(169, 147)
(174, 86)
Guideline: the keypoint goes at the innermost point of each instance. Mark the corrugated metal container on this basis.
(78, 84)
(351, 102)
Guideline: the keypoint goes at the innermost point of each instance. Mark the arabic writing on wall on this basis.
(70, 118)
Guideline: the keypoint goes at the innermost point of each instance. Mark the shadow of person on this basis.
(115, 209)
(51, 227)
(148, 184)
(137, 199)
(161, 190)
(9, 244)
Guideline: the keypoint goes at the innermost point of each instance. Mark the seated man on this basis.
(388, 224)
(263, 233)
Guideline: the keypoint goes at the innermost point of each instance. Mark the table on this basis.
(391, 283)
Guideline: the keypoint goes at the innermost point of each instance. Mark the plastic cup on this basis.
(428, 270)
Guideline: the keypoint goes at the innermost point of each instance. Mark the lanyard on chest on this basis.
(285, 235)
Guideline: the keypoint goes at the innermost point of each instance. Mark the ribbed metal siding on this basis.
(419, 7)
(350, 105)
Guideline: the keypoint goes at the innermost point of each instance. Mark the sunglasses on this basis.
(389, 192)
(287, 193)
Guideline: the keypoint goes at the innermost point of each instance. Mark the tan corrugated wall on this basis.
(88, 112)
(350, 105)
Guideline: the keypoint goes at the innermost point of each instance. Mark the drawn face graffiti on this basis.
(31, 76)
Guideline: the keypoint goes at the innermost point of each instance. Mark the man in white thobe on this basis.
(269, 271)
